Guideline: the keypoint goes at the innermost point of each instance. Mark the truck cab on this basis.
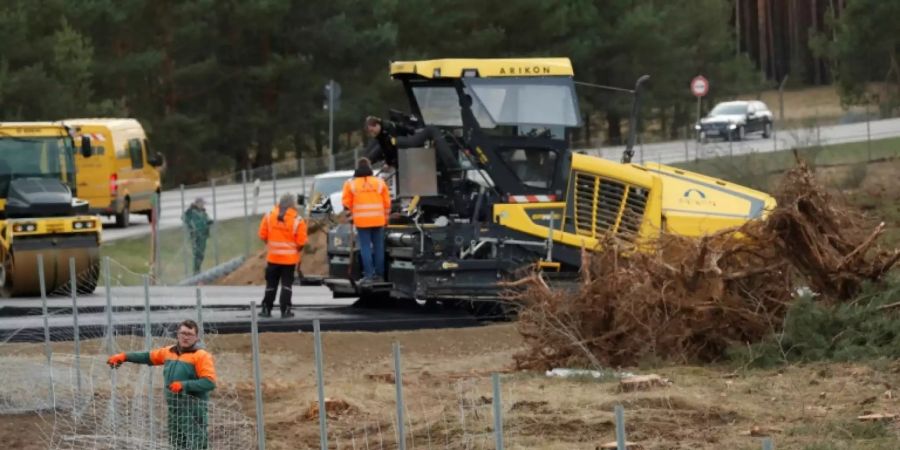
(123, 173)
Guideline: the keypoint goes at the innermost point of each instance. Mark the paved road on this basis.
(225, 310)
(680, 151)
(230, 198)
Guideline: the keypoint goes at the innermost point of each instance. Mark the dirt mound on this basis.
(313, 263)
(695, 298)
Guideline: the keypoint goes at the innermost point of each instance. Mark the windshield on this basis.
(39, 157)
(439, 106)
(538, 103)
(729, 108)
(328, 186)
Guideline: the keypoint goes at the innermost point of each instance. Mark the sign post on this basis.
(332, 98)
(699, 87)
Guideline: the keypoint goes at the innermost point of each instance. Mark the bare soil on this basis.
(313, 263)
(448, 396)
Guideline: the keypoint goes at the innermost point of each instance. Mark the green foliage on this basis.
(865, 47)
(814, 331)
(239, 83)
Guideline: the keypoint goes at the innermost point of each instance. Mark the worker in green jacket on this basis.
(198, 223)
(189, 375)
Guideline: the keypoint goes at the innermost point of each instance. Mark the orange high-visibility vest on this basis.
(369, 201)
(284, 239)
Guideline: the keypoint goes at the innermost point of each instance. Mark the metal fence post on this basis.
(498, 412)
(199, 313)
(620, 428)
(48, 351)
(355, 156)
(868, 134)
(157, 245)
(215, 219)
(398, 381)
(187, 244)
(257, 379)
(303, 175)
(110, 331)
(274, 184)
(331, 162)
(246, 214)
(110, 344)
(767, 444)
(320, 381)
(148, 344)
(73, 287)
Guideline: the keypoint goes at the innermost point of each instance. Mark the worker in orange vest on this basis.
(284, 232)
(368, 200)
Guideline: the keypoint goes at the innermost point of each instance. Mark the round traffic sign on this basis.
(699, 86)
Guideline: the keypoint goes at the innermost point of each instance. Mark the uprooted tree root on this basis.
(693, 298)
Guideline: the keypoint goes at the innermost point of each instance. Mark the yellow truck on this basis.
(123, 173)
(40, 213)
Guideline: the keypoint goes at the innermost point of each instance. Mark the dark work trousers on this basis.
(274, 273)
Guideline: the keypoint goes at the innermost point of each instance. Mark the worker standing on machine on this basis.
(368, 199)
(284, 232)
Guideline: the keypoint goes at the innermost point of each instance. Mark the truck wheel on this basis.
(124, 218)
(767, 130)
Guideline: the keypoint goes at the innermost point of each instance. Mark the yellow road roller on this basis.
(40, 213)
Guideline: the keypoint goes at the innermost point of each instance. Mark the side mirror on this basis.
(301, 200)
(86, 149)
(156, 159)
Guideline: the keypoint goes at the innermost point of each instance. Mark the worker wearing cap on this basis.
(284, 232)
(368, 200)
(198, 224)
(189, 375)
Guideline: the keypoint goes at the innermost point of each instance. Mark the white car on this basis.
(328, 186)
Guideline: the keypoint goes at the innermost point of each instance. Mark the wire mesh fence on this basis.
(54, 361)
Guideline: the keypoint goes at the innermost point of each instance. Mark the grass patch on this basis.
(865, 329)
(132, 255)
(754, 169)
(846, 434)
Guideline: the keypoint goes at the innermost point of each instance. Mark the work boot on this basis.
(266, 312)
(286, 313)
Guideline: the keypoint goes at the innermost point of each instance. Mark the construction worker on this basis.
(198, 223)
(190, 375)
(368, 200)
(383, 146)
(284, 232)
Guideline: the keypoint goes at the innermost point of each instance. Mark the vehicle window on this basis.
(761, 107)
(135, 151)
(729, 108)
(43, 157)
(533, 166)
(546, 101)
(328, 186)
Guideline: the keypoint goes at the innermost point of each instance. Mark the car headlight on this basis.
(697, 127)
(732, 126)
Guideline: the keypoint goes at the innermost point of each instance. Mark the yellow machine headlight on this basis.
(17, 228)
(30, 227)
(78, 225)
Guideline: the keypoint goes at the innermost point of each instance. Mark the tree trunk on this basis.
(614, 128)
(586, 136)
(762, 34)
(770, 34)
(814, 27)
